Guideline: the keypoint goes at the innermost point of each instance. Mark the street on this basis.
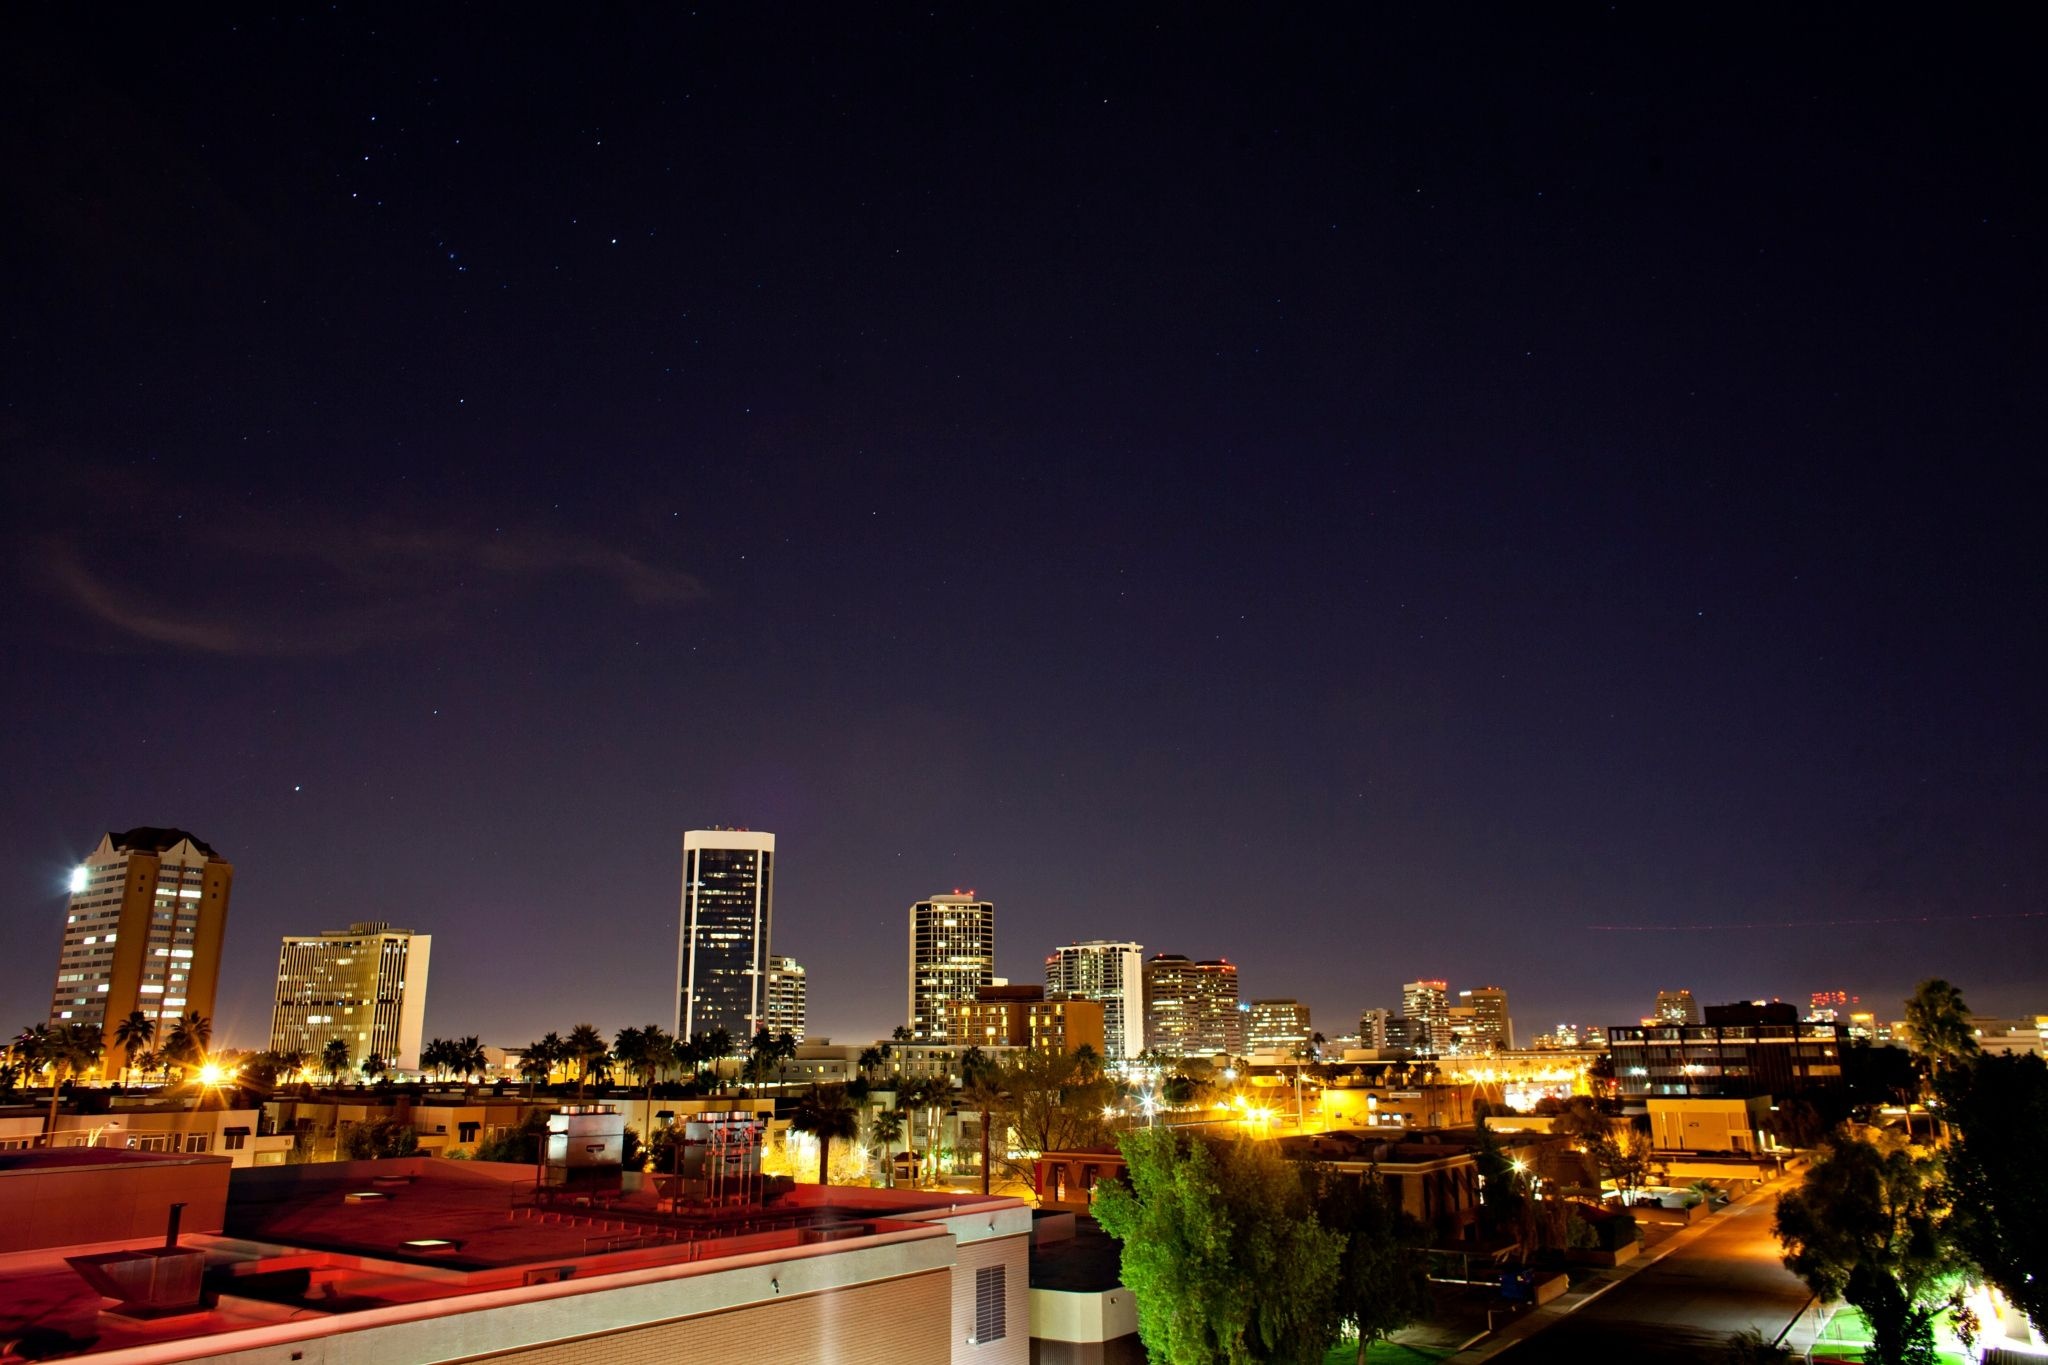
(1687, 1305)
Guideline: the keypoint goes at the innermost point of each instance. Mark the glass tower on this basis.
(727, 911)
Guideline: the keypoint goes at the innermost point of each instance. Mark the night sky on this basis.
(1365, 494)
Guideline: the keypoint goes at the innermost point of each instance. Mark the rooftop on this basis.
(156, 839)
(304, 1244)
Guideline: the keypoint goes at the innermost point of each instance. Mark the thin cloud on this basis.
(371, 586)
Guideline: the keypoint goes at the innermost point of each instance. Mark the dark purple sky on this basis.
(1369, 498)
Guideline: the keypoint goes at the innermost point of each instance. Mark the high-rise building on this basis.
(1278, 1025)
(1490, 1029)
(1372, 1028)
(142, 932)
(1113, 975)
(1191, 1008)
(728, 913)
(366, 985)
(1676, 1007)
(952, 957)
(786, 997)
(1427, 1004)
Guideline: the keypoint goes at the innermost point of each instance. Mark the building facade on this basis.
(1676, 1007)
(1427, 1006)
(366, 985)
(1278, 1026)
(787, 1003)
(728, 915)
(1113, 975)
(142, 933)
(1372, 1027)
(1488, 1027)
(1191, 1008)
(1740, 1051)
(952, 958)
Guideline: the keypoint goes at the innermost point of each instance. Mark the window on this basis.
(990, 1292)
(195, 1142)
(234, 1139)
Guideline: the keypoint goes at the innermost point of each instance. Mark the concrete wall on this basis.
(128, 1199)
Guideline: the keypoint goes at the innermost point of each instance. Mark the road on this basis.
(1685, 1307)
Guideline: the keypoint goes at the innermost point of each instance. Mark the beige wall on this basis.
(123, 1200)
(899, 1320)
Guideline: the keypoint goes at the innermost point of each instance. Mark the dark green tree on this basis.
(1219, 1246)
(1998, 1184)
(1943, 1038)
(334, 1059)
(1382, 1276)
(1867, 1225)
(827, 1115)
(586, 1048)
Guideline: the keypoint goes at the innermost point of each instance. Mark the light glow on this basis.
(77, 879)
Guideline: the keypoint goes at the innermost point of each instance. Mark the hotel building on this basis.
(952, 958)
(142, 932)
(366, 985)
(1113, 975)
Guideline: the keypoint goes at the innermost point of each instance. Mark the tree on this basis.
(870, 1062)
(1056, 1101)
(586, 1048)
(67, 1050)
(1997, 1185)
(186, 1046)
(380, 1139)
(1226, 1260)
(374, 1066)
(334, 1059)
(1867, 1225)
(133, 1034)
(883, 1129)
(468, 1056)
(646, 1053)
(1382, 1279)
(435, 1058)
(983, 1089)
(1943, 1038)
(827, 1115)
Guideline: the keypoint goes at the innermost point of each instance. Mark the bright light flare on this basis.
(212, 1074)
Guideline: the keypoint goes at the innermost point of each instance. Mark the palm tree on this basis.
(434, 1057)
(984, 1092)
(72, 1048)
(586, 1046)
(149, 1063)
(534, 1065)
(554, 1052)
(469, 1057)
(334, 1059)
(132, 1035)
(290, 1062)
(785, 1053)
(189, 1037)
(825, 1113)
(374, 1066)
(646, 1053)
(885, 1127)
(715, 1046)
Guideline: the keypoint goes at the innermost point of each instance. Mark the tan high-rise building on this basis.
(1428, 1007)
(952, 957)
(1278, 1026)
(1487, 1026)
(366, 985)
(1675, 1007)
(787, 998)
(142, 933)
(1191, 1007)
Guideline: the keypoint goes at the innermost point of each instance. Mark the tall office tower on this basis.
(1676, 1007)
(728, 912)
(1490, 1029)
(1372, 1028)
(786, 1004)
(1223, 1019)
(1278, 1025)
(952, 957)
(1191, 1008)
(1428, 1007)
(366, 985)
(1111, 974)
(142, 933)
(1171, 1010)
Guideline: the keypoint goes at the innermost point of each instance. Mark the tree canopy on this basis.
(1867, 1224)
(1998, 1185)
(1219, 1246)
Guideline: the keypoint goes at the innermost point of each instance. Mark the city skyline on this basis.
(1371, 498)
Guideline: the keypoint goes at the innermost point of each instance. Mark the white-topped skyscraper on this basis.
(728, 911)
(952, 956)
(1112, 974)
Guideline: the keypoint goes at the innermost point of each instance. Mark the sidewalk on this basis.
(1578, 1296)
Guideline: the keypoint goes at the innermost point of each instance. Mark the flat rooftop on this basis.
(1088, 1262)
(321, 1242)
